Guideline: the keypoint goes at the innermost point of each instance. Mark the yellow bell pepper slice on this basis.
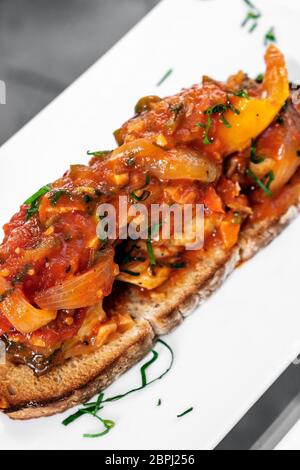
(256, 114)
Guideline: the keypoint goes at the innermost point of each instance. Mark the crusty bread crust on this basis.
(257, 236)
(24, 396)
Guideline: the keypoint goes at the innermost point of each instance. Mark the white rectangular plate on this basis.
(239, 342)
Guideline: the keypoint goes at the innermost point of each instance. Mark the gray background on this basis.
(46, 44)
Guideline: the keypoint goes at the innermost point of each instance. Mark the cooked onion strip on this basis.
(23, 316)
(164, 165)
(83, 290)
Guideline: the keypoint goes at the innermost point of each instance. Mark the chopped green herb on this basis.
(55, 197)
(18, 278)
(216, 109)
(108, 425)
(154, 231)
(284, 107)
(143, 196)
(34, 201)
(178, 265)
(130, 161)
(271, 178)
(87, 199)
(131, 273)
(159, 402)
(165, 77)
(260, 78)
(233, 108)
(37, 195)
(252, 16)
(270, 36)
(225, 122)
(264, 187)
(185, 412)
(99, 153)
(151, 252)
(144, 368)
(253, 27)
(176, 109)
(206, 139)
(280, 120)
(148, 180)
(242, 94)
(6, 294)
(93, 409)
(253, 155)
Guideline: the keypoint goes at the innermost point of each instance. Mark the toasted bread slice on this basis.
(166, 307)
(24, 396)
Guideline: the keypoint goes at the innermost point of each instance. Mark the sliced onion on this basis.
(20, 313)
(180, 163)
(41, 251)
(83, 290)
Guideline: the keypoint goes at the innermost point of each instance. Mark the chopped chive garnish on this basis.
(87, 199)
(165, 77)
(253, 27)
(34, 201)
(253, 155)
(148, 180)
(206, 139)
(119, 397)
(233, 108)
(154, 231)
(146, 366)
(179, 265)
(130, 161)
(159, 402)
(37, 195)
(264, 187)
(185, 412)
(56, 196)
(280, 120)
(242, 94)
(93, 409)
(260, 78)
(225, 122)
(99, 153)
(253, 16)
(143, 196)
(176, 109)
(20, 277)
(6, 294)
(270, 36)
(216, 109)
(151, 252)
(271, 178)
(131, 273)
(108, 424)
